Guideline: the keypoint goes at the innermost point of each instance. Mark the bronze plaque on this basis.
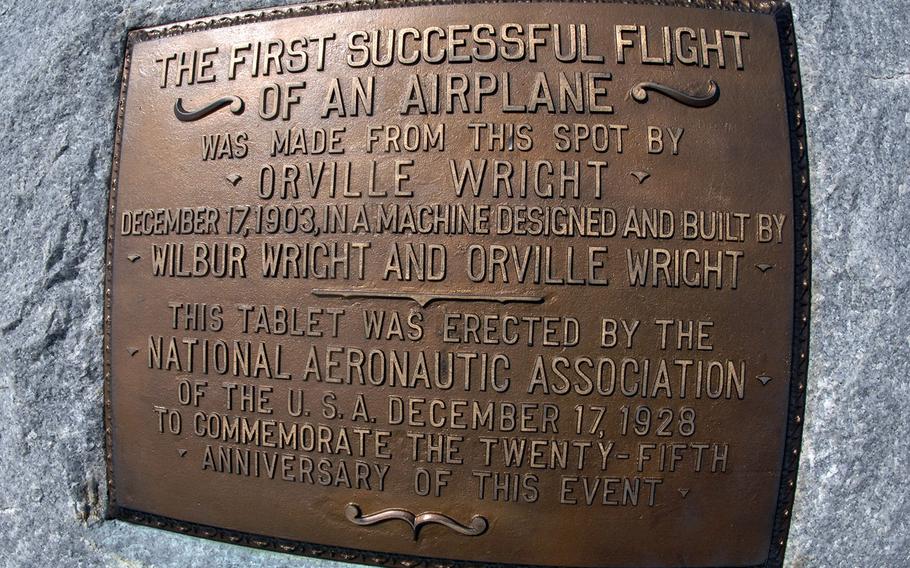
(469, 283)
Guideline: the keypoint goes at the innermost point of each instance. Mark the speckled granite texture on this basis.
(60, 62)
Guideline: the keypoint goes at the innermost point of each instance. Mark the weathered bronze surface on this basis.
(479, 283)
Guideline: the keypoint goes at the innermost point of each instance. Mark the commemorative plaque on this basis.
(462, 283)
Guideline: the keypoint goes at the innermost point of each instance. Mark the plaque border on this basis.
(780, 10)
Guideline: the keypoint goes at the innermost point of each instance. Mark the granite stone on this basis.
(60, 63)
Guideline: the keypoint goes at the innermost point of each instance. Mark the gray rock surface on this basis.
(59, 63)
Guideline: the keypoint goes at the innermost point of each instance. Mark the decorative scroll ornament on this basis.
(477, 526)
(423, 299)
(639, 92)
(641, 176)
(183, 115)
